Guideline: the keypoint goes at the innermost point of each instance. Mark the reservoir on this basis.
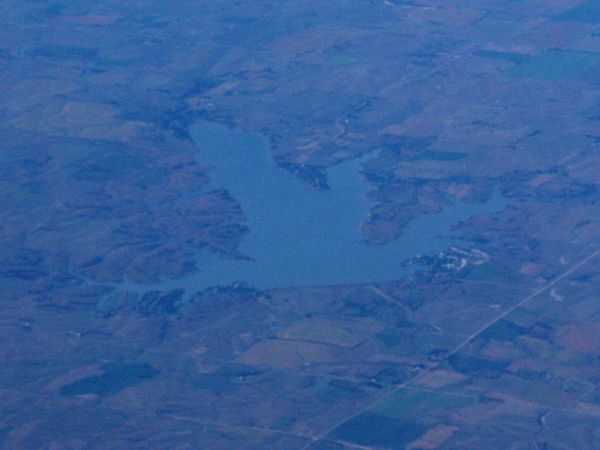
(299, 236)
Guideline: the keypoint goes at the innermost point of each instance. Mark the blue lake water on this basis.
(299, 236)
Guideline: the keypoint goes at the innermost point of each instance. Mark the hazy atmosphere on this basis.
(353, 224)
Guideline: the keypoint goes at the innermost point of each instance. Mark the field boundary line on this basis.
(460, 346)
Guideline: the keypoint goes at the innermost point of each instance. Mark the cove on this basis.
(299, 236)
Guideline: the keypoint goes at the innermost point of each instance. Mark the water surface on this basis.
(299, 236)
